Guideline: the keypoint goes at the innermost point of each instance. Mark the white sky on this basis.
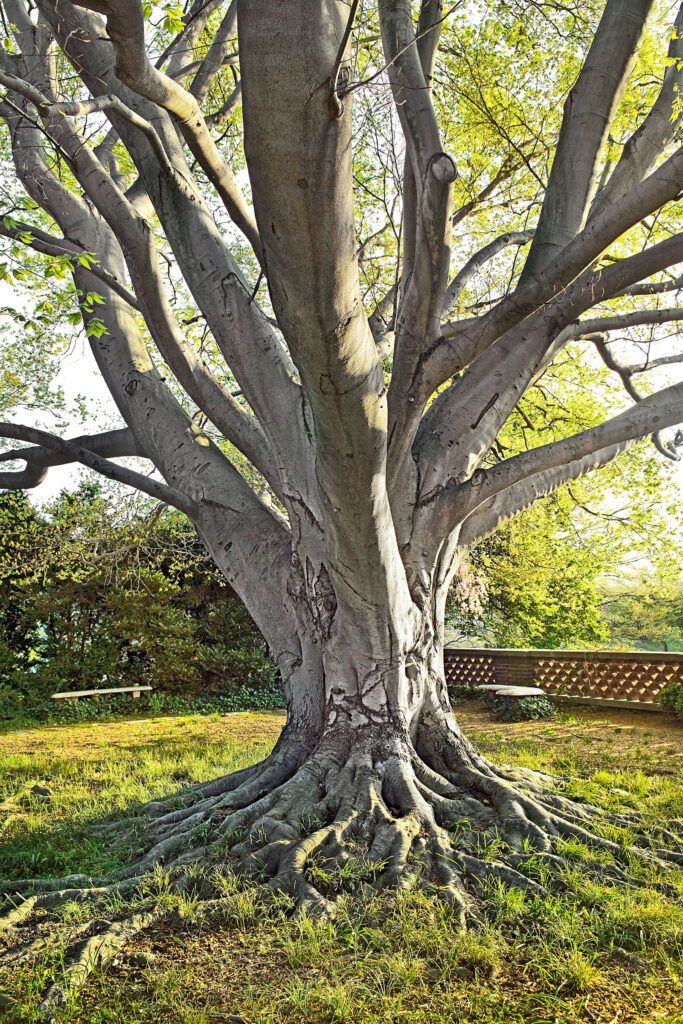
(79, 376)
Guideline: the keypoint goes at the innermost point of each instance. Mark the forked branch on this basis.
(58, 451)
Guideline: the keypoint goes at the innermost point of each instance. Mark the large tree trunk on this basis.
(371, 767)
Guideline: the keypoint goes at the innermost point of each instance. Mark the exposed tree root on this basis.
(89, 953)
(382, 816)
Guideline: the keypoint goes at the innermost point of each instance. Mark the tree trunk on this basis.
(371, 771)
(383, 476)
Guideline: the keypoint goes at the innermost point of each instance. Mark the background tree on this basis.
(551, 576)
(98, 591)
(370, 424)
(646, 613)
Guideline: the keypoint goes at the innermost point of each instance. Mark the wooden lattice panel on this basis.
(590, 674)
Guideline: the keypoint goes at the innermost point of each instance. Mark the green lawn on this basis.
(586, 953)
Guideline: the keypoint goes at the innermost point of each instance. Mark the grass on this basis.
(588, 953)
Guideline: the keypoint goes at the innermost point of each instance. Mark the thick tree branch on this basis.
(126, 29)
(463, 421)
(256, 558)
(622, 321)
(213, 61)
(588, 114)
(411, 90)
(674, 284)
(200, 384)
(113, 103)
(110, 445)
(661, 126)
(428, 181)
(299, 156)
(251, 348)
(463, 341)
(76, 451)
(653, 364)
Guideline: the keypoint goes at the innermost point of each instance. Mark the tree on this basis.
(536, 587)
(646, 615)
(541, 580)
(370, 428)
(93, 588)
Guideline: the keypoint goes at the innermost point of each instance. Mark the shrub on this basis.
(672, 698)
(457, 694)
(523, 709)
(14, 708)
(12, 702)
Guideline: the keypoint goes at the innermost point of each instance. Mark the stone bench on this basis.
(511, 691)
(519, 691)
(493, 690)
(76, 694)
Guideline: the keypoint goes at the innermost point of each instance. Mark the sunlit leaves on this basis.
(95, 328)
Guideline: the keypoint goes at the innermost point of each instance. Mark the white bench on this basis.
(510, 692)
(519, 691)
(75, 694)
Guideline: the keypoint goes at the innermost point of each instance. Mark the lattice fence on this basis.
(637, 677)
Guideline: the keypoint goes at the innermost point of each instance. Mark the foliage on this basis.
(541, 582)
(671, 697)
(523, 709)
(457, 694)
(648, 614)
(545, 578)
(38, 323)
(95, 592)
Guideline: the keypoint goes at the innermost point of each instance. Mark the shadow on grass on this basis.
(52, 800)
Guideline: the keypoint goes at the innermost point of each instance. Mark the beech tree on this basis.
(339, 489)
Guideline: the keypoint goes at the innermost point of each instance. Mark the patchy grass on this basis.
(587, 953)
(55, 781)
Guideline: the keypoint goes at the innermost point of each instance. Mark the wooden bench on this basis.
(75, 694)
